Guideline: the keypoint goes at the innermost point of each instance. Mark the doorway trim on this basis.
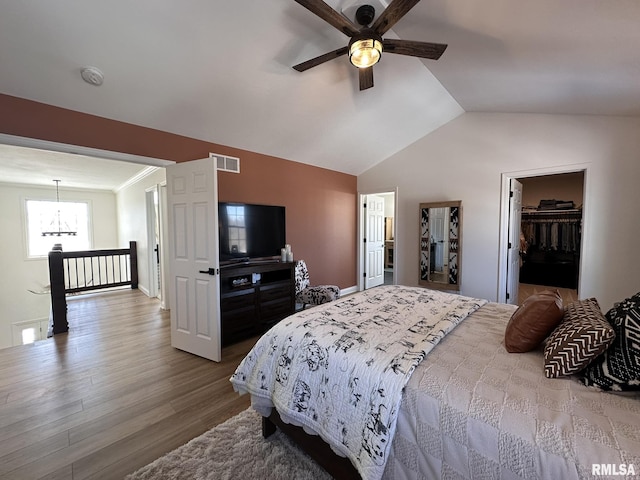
(361, 233)
(503, 240)
(164, 242)
(80, 150)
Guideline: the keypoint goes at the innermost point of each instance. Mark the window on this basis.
(50, 222)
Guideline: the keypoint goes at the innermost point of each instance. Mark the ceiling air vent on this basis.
(226, 164)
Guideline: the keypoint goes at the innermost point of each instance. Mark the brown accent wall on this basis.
(320, 204)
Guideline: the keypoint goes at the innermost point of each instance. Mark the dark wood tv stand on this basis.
(249, 306)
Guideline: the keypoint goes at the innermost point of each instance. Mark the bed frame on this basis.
(338, 467)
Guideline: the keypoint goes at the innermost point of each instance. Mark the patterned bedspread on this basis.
(339, 370)
(472, 410)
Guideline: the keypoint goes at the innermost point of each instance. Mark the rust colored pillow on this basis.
(533, 321)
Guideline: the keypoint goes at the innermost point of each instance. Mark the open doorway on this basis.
(545, 237)
(157, 241)
(551, 232)
(97, 176)
(378, 245)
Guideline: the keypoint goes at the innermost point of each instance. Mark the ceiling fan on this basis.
(366, 45)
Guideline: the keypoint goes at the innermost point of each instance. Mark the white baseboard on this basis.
(144, 290)
(348, 290)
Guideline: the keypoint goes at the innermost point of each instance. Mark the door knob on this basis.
(211, 271)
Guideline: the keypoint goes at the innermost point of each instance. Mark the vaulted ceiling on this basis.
(221, 70)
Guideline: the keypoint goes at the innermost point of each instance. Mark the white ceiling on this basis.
(41, 167)
(221, 71)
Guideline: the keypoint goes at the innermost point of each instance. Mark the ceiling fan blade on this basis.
(366, 77)
(301, 67)
(394, 12)
(330, 16)
(432, 51)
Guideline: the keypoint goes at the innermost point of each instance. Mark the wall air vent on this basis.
(226, 164)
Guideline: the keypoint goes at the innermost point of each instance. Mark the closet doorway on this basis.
(551, 234)
(550, 228)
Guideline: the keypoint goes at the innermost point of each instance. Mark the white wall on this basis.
(132, 221)
(18, 274)
(464, 160)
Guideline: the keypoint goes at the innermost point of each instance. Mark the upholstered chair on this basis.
(312, 295)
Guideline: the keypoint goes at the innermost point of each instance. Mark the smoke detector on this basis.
(92, 75)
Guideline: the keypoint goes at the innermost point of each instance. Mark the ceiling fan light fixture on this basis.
(366, 44)
(365, 52)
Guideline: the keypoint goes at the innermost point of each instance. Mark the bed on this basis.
(466, 407)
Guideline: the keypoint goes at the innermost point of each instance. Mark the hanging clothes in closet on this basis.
(552, 247)
(552, 231)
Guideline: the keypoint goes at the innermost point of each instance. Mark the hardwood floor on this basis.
(525, 290)
(109, 396)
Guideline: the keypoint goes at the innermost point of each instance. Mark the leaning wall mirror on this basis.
(440, 245)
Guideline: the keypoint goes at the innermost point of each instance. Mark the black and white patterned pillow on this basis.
(582, 335)
(618, 368)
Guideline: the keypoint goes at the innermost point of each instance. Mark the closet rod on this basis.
(551, 217)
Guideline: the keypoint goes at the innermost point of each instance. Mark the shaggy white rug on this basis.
(234, 449)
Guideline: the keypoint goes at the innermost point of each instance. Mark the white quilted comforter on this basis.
(339, 371)
(473, 411)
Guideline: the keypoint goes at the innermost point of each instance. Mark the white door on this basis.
(374, 241)
(153, 242)
(437, 230)
(192, 205)
(513, 252)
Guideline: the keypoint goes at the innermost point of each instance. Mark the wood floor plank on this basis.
(126, 455)
(64, 473)
(11, 464)
(525, 290)
(34, 428)
(111, 395)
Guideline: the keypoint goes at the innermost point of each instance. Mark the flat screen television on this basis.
(250, 231)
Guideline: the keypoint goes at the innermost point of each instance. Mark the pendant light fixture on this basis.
(59, 232)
